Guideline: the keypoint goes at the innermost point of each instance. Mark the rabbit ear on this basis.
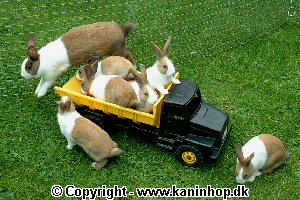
(31, 41)
(62, 106)
(68, 104)
(88, 70)
(65, 106)
(248, 159)
(32, 52)
(144, 74)
(91, 69)
(157, 92)
(94, 66)
(92, 59)
(157, 51)
(166, 47)
(137, 77)
(239, 153)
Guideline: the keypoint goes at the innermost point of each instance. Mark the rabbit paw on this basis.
(37, 91)
(70, 146)
(100, 164)
(41, 93)
(164, 91)
(258, 173)
(251, 179)
(94, 164)
(176, 81)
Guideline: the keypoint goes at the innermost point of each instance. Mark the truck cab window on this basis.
(194, 104)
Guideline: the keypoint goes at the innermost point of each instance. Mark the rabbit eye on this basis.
(28, 66)
(165, 66)
(245, 176)
(146, 94)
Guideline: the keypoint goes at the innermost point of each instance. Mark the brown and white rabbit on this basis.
(260, 155)
(111, 65)
(81, 131)
(74, 47)
(163, 71)
(114, 89)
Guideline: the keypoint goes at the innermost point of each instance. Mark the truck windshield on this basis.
(194, 104)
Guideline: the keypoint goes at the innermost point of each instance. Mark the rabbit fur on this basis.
(83, 132)
(260, 155)
(111, 65)
(114, 89)
(162, 72)
(74, 47)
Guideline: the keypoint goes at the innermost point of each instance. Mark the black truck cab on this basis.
(190, 126)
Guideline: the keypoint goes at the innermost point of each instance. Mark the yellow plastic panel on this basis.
(72, 89)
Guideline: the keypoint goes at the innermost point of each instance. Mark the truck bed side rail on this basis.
(72, 89)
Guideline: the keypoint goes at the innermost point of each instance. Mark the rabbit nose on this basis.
(83, 92)
(240, 181)
(24, 77)
(78, 76)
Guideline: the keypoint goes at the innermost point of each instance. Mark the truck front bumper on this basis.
(216, 151)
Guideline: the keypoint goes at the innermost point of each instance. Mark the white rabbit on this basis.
(111, 65)
(260, 155)
(162, 72)
(74, 47)
(114, 89)
(79, 130)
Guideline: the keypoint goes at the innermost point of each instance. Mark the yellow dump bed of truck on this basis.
(72, 89)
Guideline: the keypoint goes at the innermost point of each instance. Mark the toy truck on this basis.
(181, 121)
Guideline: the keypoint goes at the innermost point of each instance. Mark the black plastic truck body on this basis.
(189, 126)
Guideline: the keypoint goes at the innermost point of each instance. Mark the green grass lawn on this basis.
(257, 83)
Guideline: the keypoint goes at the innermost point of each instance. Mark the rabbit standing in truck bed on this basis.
(163, 71)
(111, 65)
(114, 89)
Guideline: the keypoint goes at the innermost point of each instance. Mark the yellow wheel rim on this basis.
(189, 157)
